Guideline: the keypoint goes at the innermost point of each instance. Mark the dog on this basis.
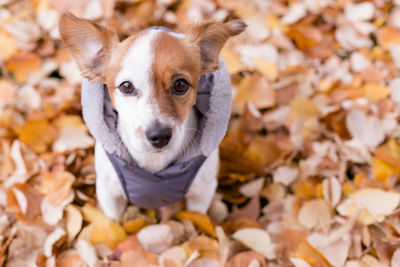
(151, 83)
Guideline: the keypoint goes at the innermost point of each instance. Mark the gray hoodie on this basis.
(168, 186)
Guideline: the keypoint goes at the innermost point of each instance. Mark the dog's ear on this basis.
(89, 43)
(210, 38)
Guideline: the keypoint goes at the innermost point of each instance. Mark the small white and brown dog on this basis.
(152, 81)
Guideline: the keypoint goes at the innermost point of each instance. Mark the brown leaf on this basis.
(251, 211)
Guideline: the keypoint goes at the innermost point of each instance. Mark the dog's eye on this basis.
(127, 88)
(180, 87)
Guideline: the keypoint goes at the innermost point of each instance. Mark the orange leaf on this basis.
(57, 186)
(257, 90)
(22, 64)
(37, 135)
(388, 36)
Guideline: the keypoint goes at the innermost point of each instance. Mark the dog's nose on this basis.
(159, 137)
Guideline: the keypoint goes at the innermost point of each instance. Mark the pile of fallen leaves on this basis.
(309, 167)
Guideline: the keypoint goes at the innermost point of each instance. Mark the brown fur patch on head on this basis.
(175, 59)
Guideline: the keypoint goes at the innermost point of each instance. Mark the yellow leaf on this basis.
(348, 188)
(302, 108)
(151, 214)
(71, 120)
(375, 92)
(266, 68)
(199, 219)
(304, 189)
(389, 153)
(22, 64)
(232, 61)
(37, 135)
(382, 170)
(92, 214)
(107, 232)
(134, 226)
(207, 247)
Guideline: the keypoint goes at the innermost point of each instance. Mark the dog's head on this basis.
(151, 76)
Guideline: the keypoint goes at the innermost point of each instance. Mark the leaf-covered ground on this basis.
(309, 168)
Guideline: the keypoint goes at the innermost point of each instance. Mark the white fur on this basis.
(109, 190)
(139, 112)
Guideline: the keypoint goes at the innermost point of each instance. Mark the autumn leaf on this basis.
(38, 135)
(22, 64)
(107, 232)
(200, 220)
(57, 186)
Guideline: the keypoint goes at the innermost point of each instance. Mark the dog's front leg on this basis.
(108, 187)
(202, 190)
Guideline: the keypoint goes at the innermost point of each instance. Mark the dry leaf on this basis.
(135, 225)
(22, 64)
(244, 259)
(92, 214)
(86, 251)
(359, 12)
(374, 204)
(199, 219)
(156, 238)
(73, 222)
(53, 214)
(71, 260)
(57, 186)
(256, 90)
(51, 240)
(335, 253)
(367, 129)
(8, 46)
(72, 138)
(285, 175)
(315, 213)
(253, 188)
(396, 258)
(256, 239)
(332, 190)
(38, 135)
(107, 232)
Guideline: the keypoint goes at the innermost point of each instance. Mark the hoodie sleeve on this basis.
(217, 118)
